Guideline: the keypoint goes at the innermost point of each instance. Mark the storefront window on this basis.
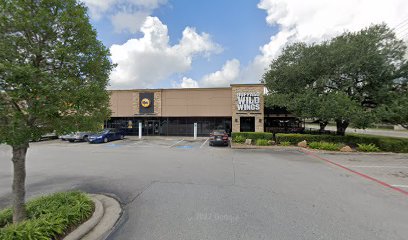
(171, 126)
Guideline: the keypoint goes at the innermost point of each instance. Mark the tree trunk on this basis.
(18, 159)
(323, 125)
(341, 126)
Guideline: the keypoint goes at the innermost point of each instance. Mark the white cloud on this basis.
(228, 74)
(186, 83)
(125, 15)
(224, 77)
(131, 22)
(147, 60)
(99, 7)
(318, 20)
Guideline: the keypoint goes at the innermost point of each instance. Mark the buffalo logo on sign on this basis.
(146, 104)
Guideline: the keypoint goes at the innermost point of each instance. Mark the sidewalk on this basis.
(165, 138)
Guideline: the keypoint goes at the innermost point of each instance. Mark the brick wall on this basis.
(157, 103)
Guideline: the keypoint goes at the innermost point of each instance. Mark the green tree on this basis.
(342, 80)
(53, 77)
(396, 110)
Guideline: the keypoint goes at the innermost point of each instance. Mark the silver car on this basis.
(77, 136)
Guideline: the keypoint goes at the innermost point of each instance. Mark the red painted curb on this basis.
(357, 173)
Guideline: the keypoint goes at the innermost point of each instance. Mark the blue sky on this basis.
(237, 25)
(211, 43)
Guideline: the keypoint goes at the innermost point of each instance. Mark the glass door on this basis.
(151, 127)
(247, 124)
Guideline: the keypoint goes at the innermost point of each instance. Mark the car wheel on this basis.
(210, 144)
(122, 137)
(105, 139)
(71, 141)
(86, 138)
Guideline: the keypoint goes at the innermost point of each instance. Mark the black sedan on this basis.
(219, 137)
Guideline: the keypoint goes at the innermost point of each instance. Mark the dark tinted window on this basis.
(218, 132)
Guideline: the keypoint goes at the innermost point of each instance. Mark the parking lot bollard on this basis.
(140, 130)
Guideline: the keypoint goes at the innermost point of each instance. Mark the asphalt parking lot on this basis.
(177, 188)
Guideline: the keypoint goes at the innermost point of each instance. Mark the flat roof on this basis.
(204, 88)
(166, 89)
(247, 84)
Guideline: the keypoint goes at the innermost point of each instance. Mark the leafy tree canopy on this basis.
(342, 79)
(396, 110)
(53, 70)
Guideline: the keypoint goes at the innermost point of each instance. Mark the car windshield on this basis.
(219, 132)
(104, 131)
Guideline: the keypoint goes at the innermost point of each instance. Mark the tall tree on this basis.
(395, 111)
(53, 77)
(342, 80)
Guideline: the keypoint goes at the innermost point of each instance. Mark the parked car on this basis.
(47, 136)
(106, 135)
(219, 137)
(77, 136)
(51, 135)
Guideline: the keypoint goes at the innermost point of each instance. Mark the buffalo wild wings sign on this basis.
(248, 101)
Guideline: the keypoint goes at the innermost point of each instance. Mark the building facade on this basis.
(238, 108)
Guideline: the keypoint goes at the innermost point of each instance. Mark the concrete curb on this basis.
(90, 224)
(352, 153)
(243, 146)
(283, 148)
(107, 212)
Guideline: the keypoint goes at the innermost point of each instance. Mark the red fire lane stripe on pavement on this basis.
(358, 173)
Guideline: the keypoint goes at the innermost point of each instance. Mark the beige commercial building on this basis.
(238, 108)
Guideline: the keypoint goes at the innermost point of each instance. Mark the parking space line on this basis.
(356, 172)
(397, 185)
(204, 143)
(176, 143)
(368, 166)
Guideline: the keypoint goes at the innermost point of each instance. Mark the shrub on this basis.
(238, 139)
(367, 148)
(388, 144)
(253, 135)
(285, 143)
(5, 216)
(48, 217)
(294, 138)
(262, 142)
(314, 145)
(325, 146)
